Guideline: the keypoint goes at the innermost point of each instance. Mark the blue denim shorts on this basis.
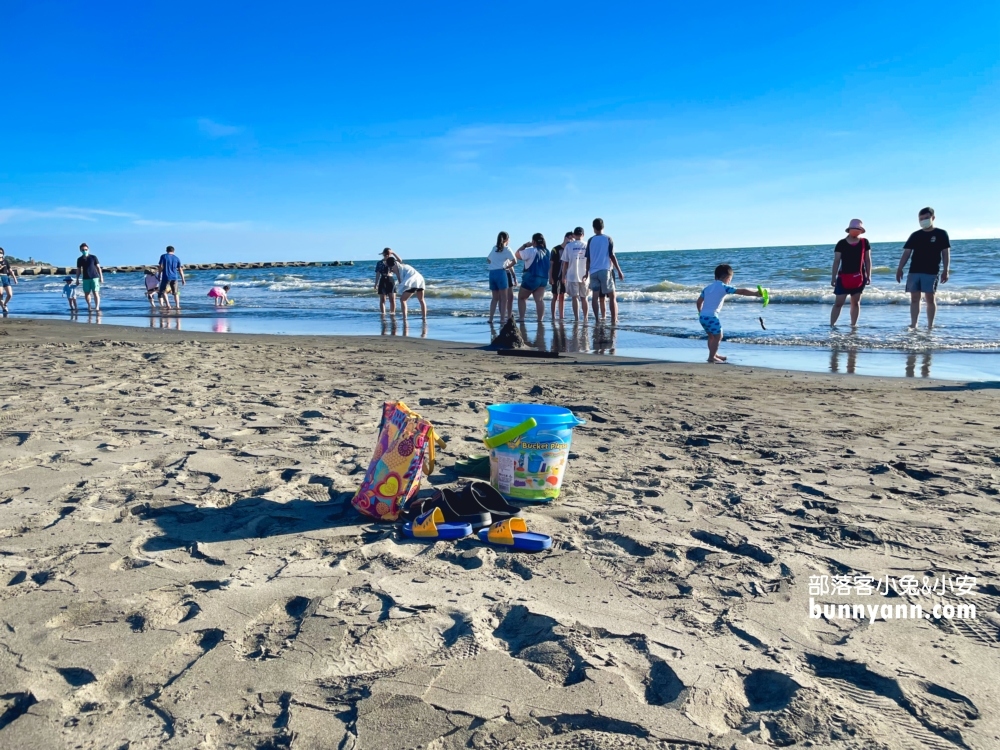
(922, 282)
(499, 280)
(711, 324)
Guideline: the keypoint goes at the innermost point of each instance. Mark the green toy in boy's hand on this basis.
(765, 295)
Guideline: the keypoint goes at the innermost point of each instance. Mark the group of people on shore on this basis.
(158, 284)
(568, 269)
(165, 280)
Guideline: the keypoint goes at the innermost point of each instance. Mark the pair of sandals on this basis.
(477, 508)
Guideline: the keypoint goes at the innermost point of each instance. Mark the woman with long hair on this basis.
(501, 258)
(535, 276)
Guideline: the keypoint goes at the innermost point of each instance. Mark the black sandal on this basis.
(457, 508)
(487, 498)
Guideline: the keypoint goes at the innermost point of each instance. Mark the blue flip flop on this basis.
(431, 525)
(513, 533)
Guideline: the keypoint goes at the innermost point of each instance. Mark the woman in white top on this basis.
(499, 260)
(410, 282)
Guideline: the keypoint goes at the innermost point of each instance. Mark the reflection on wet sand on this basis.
(538, 340)
(605, 338)
(580, 338)
(848, 356)
(852, 359)
(389, 325)
(391, 328)
(925, 364)
(173, 322)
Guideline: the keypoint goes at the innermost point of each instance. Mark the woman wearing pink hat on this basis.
(852, 271)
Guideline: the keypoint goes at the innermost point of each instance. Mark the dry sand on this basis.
(180, 566)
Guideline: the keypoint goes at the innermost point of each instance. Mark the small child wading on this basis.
(709, 304)
(69, 289)
(152, 285)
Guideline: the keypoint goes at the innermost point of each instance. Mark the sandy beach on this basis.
(180, 565)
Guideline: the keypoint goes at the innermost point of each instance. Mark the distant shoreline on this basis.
(417, 259)
(43, 269)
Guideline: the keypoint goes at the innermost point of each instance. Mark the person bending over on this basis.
(410, 281)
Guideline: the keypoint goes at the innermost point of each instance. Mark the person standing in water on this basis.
(385, 284)
(90, 269)
(500, 259)
(171, 271)
(852, 271)
(411, 283)
(574, 263)
(7, 276)
(929, 248)
(535, 276)
(69, 291)
(556, 278)
(601, 265)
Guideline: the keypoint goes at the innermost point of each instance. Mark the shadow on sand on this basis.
(253, 518)
(986, 385)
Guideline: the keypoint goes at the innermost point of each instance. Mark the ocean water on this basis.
(657, 316)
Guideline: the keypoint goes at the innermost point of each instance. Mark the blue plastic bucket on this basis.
(532, 463)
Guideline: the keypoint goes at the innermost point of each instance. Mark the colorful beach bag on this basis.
(405, 449)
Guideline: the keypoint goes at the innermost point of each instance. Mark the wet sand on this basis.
(180, 566)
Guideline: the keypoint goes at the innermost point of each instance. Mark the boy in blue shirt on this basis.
(709, 304)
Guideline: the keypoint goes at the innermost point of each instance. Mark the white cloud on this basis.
(214, 129)
(193, 224)
(62, 212)
(74, 213)
(491, 134)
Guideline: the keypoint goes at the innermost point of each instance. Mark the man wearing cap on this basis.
(929, 247)
(89, 268)
(852, 271)
(385, 284)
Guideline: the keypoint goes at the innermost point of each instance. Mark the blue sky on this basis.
(324, 131)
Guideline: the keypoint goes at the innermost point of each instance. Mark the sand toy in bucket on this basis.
(529, 449)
